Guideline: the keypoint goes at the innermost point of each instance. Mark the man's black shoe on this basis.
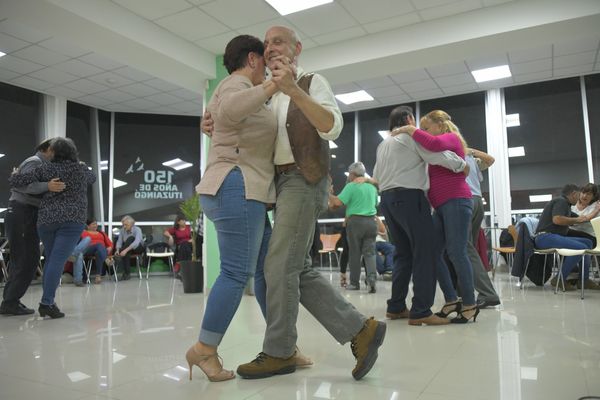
(15, 309)
(487, 303)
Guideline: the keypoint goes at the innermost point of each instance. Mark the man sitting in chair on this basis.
(553, 231)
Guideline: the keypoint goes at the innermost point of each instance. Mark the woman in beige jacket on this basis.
(235, 190)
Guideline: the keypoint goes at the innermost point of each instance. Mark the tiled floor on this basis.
(128, 342)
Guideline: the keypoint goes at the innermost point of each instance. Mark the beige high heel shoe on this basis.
(193, 358)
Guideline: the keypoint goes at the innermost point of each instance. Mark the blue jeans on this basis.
(385, 263)
(552, 240)
(451, 222)
(59, 241)
(243, 233)
(78, 264)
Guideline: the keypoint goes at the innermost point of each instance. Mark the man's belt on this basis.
(282, 169)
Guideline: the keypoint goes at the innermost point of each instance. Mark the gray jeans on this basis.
(289, 275)
(362, 232)
(481, 279)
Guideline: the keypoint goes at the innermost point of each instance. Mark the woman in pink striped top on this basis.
(451, 199)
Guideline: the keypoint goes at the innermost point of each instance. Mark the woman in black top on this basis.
(62, 215)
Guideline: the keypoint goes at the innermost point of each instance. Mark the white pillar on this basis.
(53, 117)
(497, 143)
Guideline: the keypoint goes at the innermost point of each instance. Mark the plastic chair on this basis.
(155, 253)
(545, 253)
(509, 251)
(569, 253)
(87, 264)
(329, 242)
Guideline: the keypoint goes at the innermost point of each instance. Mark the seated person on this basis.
(180, 236)
(130, 242)
(587, 205)
(99, 245)
(553, 232)
(385, 251)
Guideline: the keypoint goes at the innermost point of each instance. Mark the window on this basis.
(19, 115)
(551, 136)
(592, 87)
(144, 187)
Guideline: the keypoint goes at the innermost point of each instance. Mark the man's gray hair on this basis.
(357, 169)
(129, 219)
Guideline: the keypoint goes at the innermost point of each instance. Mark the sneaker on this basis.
(264, 366)
(51, 311)
(15, 309)
(400, 315)
(365, 345)
(588, 284)
(481, 304)
(352, 287)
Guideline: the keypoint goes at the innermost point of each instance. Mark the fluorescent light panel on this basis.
(354, 97)
(2, 54)
(103, 165)
(332, 145)
(2, 210)
(177, 164)
(117, 183)
(2, 155)
(540, 198)
(285, 7)
(516, 151)
(384, 134)
(512, 120)
(491, 74)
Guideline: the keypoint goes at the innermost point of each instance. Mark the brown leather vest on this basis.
(311, 153)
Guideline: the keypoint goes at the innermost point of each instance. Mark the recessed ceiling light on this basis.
(512, 120)
(490, 74)
(516, 151)
(384, 134)
(540, 198)
(333, 156)
(354, 97)
(177, 164)
(117, 183)
(332, 145)
(2, 54)
(285, 7)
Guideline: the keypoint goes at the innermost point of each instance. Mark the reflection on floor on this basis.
(128, 342)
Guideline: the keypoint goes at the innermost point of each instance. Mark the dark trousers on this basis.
(24, 242)
(123, 263)
(408, 216)
(184, 251)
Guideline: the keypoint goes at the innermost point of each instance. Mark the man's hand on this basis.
(55, 185)
(466, 170)
(284, 75)
(123, 253)
(207, 126)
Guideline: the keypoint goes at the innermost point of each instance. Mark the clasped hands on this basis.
(283, 74)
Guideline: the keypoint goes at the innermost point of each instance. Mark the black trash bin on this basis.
(192, 276)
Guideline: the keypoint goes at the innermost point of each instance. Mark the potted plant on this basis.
(192, 273)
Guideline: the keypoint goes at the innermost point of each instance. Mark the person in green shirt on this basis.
(360, 199)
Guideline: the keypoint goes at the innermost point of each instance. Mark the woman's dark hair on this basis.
(89, 221)
(593, 189)
(177, 219)
(64, 150)
(237, 50)
(399, 116)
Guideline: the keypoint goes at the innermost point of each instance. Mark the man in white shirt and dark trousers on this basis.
(401, 171)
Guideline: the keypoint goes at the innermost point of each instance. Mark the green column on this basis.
(212, 265)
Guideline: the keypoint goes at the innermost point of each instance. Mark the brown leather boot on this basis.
(365, 345)
(264, 366)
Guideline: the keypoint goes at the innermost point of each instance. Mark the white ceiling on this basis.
(155, 55)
